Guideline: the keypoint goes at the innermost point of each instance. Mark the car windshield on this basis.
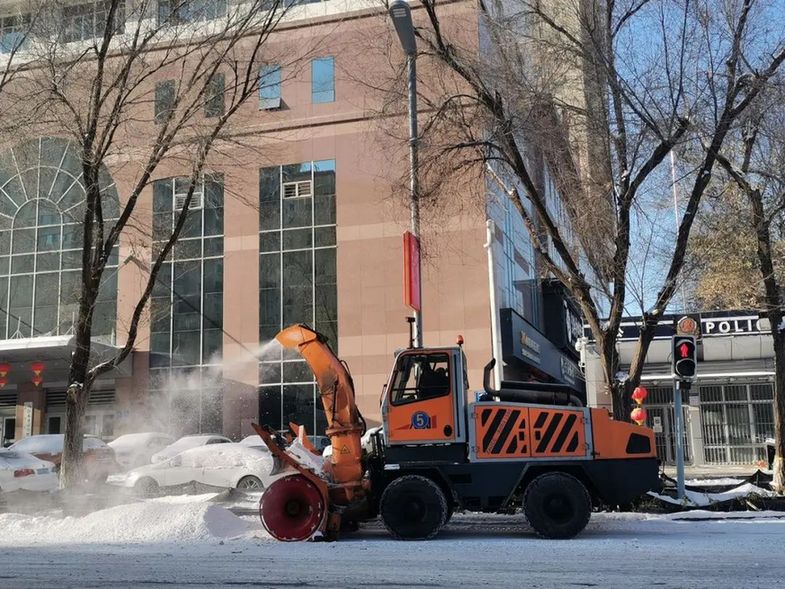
(47, 444)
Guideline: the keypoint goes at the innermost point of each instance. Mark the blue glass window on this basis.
(323, 80)
(270, 86)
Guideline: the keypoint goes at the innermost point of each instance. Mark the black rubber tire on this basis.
(413, 507)
(146, 487)
(557, 505)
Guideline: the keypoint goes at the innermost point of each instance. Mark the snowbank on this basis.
(698, 499)
(148, 522)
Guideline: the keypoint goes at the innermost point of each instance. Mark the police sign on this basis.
(685, 357)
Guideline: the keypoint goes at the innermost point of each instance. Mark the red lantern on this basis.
(638, 415)
(3, 381)
(639, 395)
(37, 380)
(5, 368)
(38, 368)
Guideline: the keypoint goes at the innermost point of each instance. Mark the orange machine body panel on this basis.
(523, 431)
(614, 439)
(422, 421)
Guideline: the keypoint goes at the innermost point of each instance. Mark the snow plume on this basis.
(190, 401)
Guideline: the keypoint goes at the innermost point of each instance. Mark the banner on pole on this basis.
(411, 271)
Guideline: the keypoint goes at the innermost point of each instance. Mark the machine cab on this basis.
(425, 397)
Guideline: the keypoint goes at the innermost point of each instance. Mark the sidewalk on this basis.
(714, 471)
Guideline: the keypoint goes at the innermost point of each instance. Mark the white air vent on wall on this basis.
(297, 189)
(195, 204)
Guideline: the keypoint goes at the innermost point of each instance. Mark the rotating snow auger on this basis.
(308, 501)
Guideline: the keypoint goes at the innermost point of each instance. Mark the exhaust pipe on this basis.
(540, 393)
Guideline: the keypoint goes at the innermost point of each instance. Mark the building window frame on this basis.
(281, 377)
(178, 12)
(323, 80)
(270, 87)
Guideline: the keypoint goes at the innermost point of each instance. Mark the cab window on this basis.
(420, 377)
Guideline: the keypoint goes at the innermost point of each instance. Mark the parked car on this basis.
(132, 450)
(188, 442)
(254, 441)
(216, 465)
(99, 459)
(20, 471)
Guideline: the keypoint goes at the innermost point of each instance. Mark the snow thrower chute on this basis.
(297, 506)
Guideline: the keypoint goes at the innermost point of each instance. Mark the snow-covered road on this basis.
(616, 550)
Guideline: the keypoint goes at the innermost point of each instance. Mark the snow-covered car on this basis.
(132, 450)
(24, 472)
(186, 443)
(99, 460)
(222, 465)
(253, 441)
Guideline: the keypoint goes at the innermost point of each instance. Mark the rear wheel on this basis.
(250, 483)
(413, 507)
(557, 505)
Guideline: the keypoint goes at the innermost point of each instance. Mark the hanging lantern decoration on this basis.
(5, 368)
(38, 368)
(638, 415)
(639, 395)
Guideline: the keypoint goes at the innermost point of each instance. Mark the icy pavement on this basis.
(193, 543)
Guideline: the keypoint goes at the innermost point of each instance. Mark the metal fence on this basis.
(659, 407)
(737, 419)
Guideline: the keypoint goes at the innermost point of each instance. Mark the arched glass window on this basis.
(42, 201)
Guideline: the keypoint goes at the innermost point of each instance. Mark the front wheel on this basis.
(250, 483)
(413, 507)
(557, 505)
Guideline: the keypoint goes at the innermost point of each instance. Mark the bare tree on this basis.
(753, 163)
(599, 93)
(142, 83)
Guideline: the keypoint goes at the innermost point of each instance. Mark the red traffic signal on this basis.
(685, 357)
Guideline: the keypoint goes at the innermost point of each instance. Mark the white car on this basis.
(132, 450)
(253, 441)
(186, 443)
(223, 465)
(24, 472)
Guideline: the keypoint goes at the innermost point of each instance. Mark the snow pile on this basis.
(714, 482)
(136, 523)
(698, 499)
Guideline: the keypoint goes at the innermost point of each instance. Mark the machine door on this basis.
(421, 398)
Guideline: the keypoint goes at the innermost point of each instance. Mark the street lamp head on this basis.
(401, 15)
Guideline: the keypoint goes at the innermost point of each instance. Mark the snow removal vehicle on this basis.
(529, 446)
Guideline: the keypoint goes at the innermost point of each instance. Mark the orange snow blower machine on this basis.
(526, 446)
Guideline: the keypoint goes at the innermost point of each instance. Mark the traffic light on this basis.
(685, 357)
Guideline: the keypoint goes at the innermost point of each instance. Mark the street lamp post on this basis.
(401, 15)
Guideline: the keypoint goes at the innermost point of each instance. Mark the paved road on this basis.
(614, 551)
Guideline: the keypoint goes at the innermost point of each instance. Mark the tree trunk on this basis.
(71, 466)
(778, 336)
(76, 401)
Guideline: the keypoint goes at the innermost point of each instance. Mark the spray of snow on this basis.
(189, 401)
